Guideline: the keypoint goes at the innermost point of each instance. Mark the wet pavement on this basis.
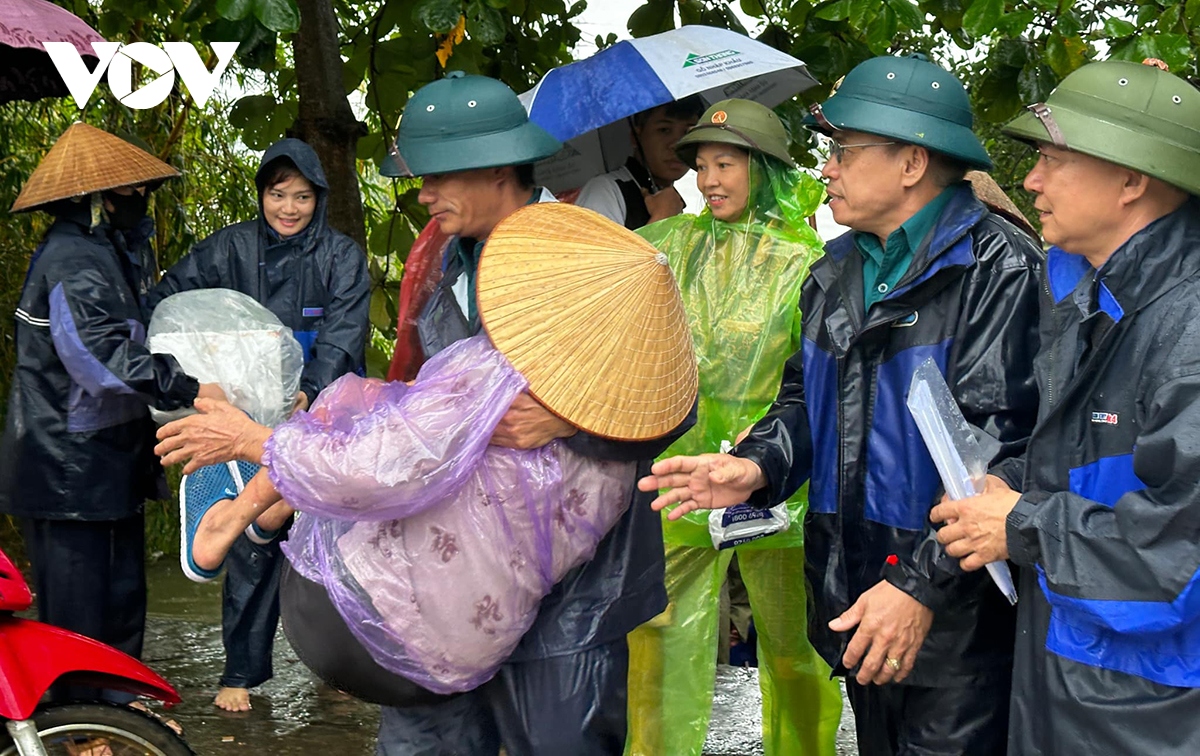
(295, 714)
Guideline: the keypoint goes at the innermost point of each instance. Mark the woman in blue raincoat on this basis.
(740, 265)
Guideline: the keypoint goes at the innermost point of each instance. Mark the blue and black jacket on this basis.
(315, 282)
(1107, 530)
(969, 300)
(78, 439)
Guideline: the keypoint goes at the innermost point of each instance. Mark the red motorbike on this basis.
(33, 656)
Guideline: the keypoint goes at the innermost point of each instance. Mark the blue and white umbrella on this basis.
(578, 99)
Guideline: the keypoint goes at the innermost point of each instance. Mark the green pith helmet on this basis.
(907, 99)
(744, 123)
(463, 122)
(1134, 115)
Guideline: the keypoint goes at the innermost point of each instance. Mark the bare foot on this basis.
(232, 699)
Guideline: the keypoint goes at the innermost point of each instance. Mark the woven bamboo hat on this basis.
(85, 160)
(590, 314)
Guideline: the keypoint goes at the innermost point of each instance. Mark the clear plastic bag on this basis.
(225, 337)
(961, 461)
(435, 547)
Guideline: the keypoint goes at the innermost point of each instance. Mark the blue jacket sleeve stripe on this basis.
(82, 365)
(821, 392)
(1106, 480)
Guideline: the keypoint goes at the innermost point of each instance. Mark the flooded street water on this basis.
(295, 714)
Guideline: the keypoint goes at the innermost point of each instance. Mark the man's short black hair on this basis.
(525, 176)
(690, 108)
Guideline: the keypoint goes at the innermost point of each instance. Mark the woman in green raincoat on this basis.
(740, 265)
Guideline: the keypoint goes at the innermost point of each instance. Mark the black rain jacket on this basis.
(1107, 531)
(78, 439)
(969, 301)
(315, 282)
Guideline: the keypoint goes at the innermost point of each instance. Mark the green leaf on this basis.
(653, 17)
(908, 15)
(1014, 24)
(486, 25)
(1118, 27)
(798, 14)
(948, 12)
(249, 108)
(1169, 18)
(861, 12)
(1009, 53)
(438, 16)
(882, 30)
(777, 37)
(1191, 13)
(1172, 49)
(502, 4)
(691, 12)
(753, 8)
(1147, 14)
(1035, 82)
(235, 10)
(277, 15)
(393, 236)
(998, 98)
(1065, 54)
(836, 11)
(983, 15)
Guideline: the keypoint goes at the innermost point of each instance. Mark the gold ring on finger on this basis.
(893, 662)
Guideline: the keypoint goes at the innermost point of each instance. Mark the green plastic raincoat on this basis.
(740, 283)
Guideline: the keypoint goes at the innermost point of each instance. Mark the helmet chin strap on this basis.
(819, 115)
(1042, 113)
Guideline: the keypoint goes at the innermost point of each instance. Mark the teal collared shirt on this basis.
(885, 265)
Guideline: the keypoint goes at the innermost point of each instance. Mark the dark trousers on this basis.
(906, 720)
(573, 704)
(90, 578)
(250, 612)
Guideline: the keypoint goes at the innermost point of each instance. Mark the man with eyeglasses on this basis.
(927, 271)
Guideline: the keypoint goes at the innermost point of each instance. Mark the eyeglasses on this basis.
(837, 150)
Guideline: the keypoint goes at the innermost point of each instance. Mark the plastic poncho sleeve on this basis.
(991, 377)
(1131, 564)
(105, 355)
(343, 334)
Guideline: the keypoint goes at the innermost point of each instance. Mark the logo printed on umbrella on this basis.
(118, 60)
(698, 60)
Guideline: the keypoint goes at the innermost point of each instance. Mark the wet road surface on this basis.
(295, 714)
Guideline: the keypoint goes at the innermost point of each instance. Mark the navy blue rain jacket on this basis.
(1107, 530)
(315, 282)
(78, 439)
(969, 300)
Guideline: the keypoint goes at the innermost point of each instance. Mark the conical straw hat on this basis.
(590, 314)
(989, 193)
(84, 160)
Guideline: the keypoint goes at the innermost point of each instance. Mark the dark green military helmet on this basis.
(744, 123)
(1136, 116)
(463, 122)
(907, 99)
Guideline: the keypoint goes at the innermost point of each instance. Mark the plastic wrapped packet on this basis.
(740, 524)
(435, 547)
(961, 463)
(225, 337)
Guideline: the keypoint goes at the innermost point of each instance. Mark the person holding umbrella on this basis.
(75, 461)
(643, 190)
(926, 273)
(740, 265)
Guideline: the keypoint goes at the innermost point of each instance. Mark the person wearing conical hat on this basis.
(927, 272)
(1100, 514)
(564, 689)
(740, 265)
(76, 463)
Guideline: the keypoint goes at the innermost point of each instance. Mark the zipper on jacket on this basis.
(1050, 354)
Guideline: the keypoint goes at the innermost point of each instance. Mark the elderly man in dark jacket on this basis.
(928, 272)
(76, 460)
(1102, 513)
(315, 280)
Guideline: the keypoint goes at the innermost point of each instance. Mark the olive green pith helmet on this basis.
(1134, 115)
(906, 99)
(744, 123)
(464, 122)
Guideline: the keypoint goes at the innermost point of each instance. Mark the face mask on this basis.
(128, 209)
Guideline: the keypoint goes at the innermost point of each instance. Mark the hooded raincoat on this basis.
(740, 283)
(78, 441)
(316, 282)
(1107, 530)
(969, 301)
